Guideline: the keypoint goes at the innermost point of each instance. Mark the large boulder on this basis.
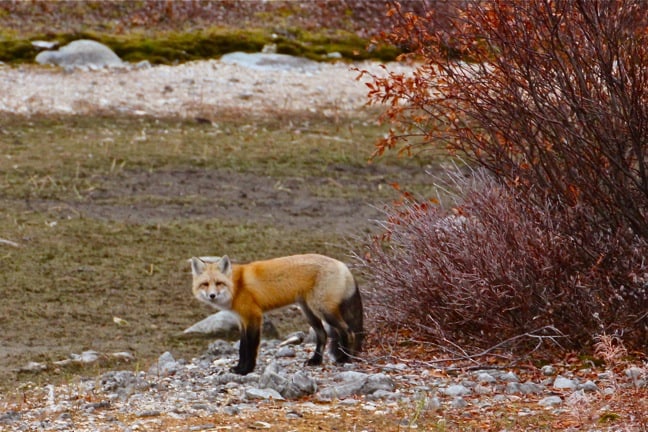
(83, 53)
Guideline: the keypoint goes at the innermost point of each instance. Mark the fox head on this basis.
(212, 281)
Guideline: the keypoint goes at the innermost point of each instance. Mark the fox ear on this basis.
(197, 266)
(225, 265)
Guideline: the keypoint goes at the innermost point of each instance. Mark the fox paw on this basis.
(314, 361)
(241, 370)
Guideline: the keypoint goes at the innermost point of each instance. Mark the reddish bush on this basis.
(551, 99)
(495, 267)
(554, 100)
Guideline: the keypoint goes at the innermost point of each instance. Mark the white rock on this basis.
(44, 44)
(634, 372)
(82, 53)
(266, 393)
(484, 377)
(456, 390)
(548, 370)
(222, 321)
(270, 61)
(589, 386)
(564, 383)
(550, 401)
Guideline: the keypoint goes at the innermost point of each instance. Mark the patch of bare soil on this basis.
(311, 202)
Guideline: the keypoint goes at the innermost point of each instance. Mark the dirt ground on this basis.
(229, 195)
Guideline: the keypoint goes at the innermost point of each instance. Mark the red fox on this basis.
(323, 287)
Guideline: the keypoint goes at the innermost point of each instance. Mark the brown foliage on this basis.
(494, 267)
(551, 97)
(554, 100)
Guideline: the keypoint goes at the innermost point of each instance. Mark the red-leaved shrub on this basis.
(492, 267)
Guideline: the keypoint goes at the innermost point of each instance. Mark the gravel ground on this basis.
(201, 394)
(192, 89)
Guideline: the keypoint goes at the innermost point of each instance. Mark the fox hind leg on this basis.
(320, 334)
(340, 348)
(352, 316)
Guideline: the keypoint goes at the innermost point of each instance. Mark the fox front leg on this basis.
(249, 348)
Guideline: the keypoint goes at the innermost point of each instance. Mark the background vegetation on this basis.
(176, 31)
(550, 246)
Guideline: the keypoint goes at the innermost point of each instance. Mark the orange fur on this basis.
(319, 284)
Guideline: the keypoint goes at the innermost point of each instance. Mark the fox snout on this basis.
(221, 299)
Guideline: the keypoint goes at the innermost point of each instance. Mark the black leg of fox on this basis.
(248, 349)
(351, 330)
(320, 333)
(340, 337)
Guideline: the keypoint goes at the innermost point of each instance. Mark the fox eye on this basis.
(204, 284)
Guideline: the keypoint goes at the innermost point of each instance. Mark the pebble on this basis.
(564, 383)
(548, 370)
(456, 390)
(550, 401)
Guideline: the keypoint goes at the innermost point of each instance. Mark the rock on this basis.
(166, 365)
(44, 44)
(295, 338)
(220, 348)
(285, 351)
(81, 53)
(384, 395)
(589, 386)
(550, 401)
(456, 390)
(548, 370)
(33, 367)
(509, 377)
(576, 398)
(265, 393)
(299, 385)
(512, 388)
(123, 356)
(270, 61)
(482, 390)
(122, 383)
(564, 383)
(144, 64)
(223, 324)
(345, 384)
(87, 357)
(10, 417)
(484, 377)
(433, 403)
(290, 387)
(458, 402)
(395, 367)
(634, 372)
(530, 387)
(269, 49)
(376, 382)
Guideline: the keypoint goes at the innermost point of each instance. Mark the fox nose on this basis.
(212, 296)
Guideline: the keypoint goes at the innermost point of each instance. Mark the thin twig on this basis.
(489, 351)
